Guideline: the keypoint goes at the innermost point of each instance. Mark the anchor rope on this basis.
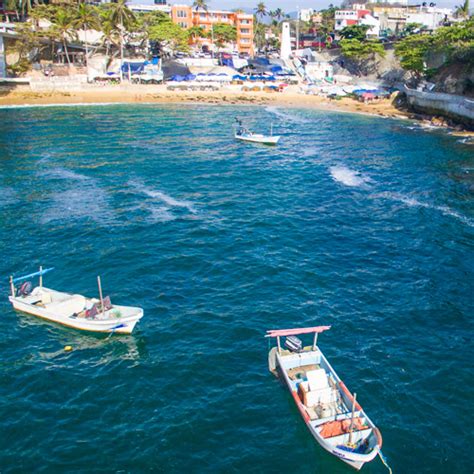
(385, 462)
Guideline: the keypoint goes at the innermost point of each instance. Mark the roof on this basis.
(296, 331)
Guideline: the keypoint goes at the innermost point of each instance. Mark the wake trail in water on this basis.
(165, 198)
(285, 115)
(62, 173)
(348, 177)
(412, 202)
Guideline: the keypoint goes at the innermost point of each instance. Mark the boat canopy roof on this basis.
(31, 275)
(296, 331)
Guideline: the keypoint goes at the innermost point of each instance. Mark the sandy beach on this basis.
(160, 94)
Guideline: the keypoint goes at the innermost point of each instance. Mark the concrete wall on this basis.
(456, 107)
(58, 83)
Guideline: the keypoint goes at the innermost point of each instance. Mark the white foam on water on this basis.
(165, 198)
(413, 202)
(348, 177)
(79, 202)
(64, 104)
(62, 173)
(161, 214)
(285, 115)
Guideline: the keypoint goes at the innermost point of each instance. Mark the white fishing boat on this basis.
(331, 412)
(247, 136)
(73, 310)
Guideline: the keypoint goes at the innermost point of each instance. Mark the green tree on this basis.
(455, 42)
(357, 32)
(122, 17)
(463, 10)
(62, 29)
(27, 40)
(224, 33)
(360, 51)
(169, 34)
(412, 51)
(261, 10)
(196, 32)
(110, 33)
(200, 5)
(86, 18)
(278, 14)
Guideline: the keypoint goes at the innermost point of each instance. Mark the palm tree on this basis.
(200, 4)
(463, 10)
(86, 18)
(261, 10)
(278, 13)
(110, 36)
(62, 28)
(122, 17)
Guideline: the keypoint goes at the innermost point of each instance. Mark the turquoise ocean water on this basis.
(357, 222)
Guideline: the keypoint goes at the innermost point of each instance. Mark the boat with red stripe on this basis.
(332, 413)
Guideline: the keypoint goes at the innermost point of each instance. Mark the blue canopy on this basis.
(31, 275)
(178, 78)
(133, 67)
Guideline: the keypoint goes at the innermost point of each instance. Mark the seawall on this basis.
(458, 108)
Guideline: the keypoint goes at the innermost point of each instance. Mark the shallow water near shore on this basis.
(352, 221)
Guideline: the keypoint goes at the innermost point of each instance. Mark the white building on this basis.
(357, 16)
(430, 17)
(306, 14)
(148, 5)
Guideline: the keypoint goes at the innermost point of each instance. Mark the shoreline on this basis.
(24, 97)
(159, 94)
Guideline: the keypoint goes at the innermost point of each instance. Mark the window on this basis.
(245, 31)
(202, 16)
(224, 16)
(181, 13)
(245, 22)
(160, 2)
(245, 40)
(182, 24)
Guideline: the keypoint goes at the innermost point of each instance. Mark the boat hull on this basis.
(120, 325)
(353, 459)
(264, 140)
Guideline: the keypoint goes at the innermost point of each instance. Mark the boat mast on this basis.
(315, 340)
(352, 418)
(100, 294)
(12, 286)
(41, 277)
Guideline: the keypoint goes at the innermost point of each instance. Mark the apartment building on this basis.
(357, 16)
(187, 17)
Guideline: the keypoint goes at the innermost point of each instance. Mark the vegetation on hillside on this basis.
(454, 43)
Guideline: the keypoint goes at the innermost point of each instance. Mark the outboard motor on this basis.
(25, 289)
(293, 344)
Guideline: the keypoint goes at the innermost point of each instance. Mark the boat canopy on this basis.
(31, 275)
(296, 331)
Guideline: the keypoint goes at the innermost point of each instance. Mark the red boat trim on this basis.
(378, 436)
(300, 406)
(349, 394)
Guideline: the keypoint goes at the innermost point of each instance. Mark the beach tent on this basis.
(223, 70)
(133, 67)
(173, 68)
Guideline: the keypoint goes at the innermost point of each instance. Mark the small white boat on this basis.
(247, 136)
(331, 412)
(76, 311)
(257, 138)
